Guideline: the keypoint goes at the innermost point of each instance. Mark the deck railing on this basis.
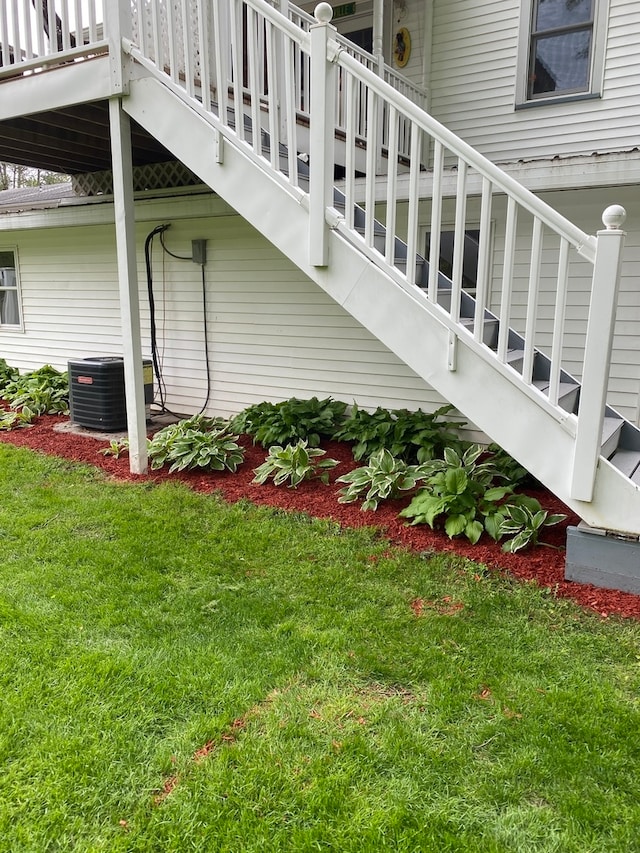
(35, 34)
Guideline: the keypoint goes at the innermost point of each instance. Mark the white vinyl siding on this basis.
(273, 334)
(474, 72)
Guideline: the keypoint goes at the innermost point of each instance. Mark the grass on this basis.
(178, 674)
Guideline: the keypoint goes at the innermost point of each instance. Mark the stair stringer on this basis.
(541, 437)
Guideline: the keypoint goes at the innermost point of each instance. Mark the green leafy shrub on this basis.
(459, 489)
(290, 421)
(507, 466)
(411, 436)
(294, 463)
(116, 448)
(44, 391)
(524, 520)
(197, 442)
(11, 420)
(7, 374)
(384, 477)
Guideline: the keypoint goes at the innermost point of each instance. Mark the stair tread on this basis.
(514, 355)
(566, 387)
(610, 431)
(627, 461)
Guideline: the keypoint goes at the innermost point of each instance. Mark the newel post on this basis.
(597, 355)
(118, 25)
(322, 121)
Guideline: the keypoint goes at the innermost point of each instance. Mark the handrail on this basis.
(583, 242)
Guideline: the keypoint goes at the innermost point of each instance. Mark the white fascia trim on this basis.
(98, 210)
(560, 173)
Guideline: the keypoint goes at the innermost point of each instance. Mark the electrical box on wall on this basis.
(96, 392)
(199, 252)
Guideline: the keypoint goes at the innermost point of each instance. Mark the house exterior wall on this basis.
(272, 333)
(474, 61)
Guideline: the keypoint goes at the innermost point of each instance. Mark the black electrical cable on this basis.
(179, 257)
(148, 243)
(206, 339)
(159, 229)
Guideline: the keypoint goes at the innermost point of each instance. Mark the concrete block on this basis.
(602, 560)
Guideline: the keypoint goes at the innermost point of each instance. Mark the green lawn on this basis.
(178, 674)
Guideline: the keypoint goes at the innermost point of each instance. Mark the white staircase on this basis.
(559, 429)
(237, 89)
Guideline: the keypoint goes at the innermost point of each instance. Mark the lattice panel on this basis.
(154, 21)
(154, 176)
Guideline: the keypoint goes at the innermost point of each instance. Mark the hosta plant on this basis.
(294, 463)
(197, 442)
(459, 491)
(524, 521)
(384, 477)
(291, 420)
(116, 448)
(411, 436)
(7, 374)
(508, 467)
(11, 419)
(43, 391)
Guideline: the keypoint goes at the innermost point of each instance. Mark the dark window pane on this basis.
(562, 13)
(561, 63)
(362, 38)
(6, 259)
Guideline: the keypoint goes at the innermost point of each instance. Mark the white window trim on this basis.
(17, 327)
(596, 78)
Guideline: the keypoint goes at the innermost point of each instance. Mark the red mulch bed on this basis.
(545, 565)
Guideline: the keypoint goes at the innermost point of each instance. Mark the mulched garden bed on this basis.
(543, 564)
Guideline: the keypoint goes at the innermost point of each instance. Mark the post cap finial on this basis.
(323, 13)
(614, 217)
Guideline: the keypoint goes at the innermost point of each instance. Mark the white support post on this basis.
(118, 24)
(378, 52)
(378, 35)
(128, 281)
(597, 355)
(322, 121)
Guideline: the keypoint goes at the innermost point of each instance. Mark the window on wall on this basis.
(9, 293)
(562, 49)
